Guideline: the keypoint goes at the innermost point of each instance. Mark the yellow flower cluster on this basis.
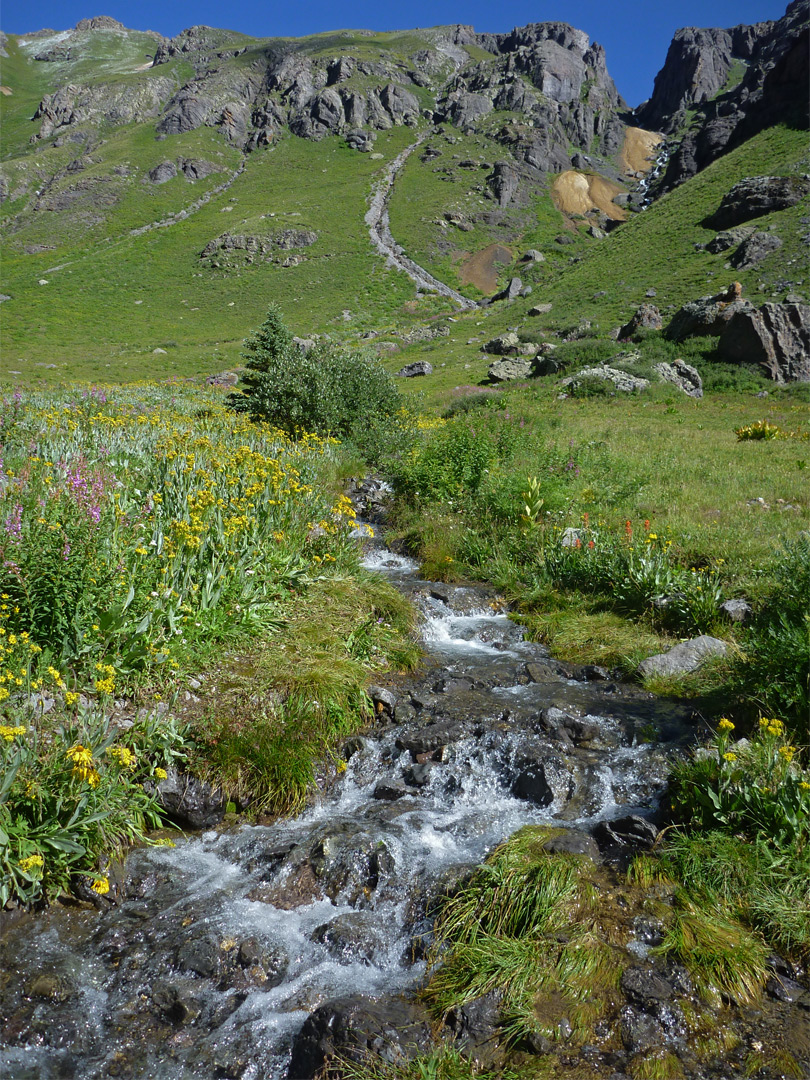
(101, 885)
(725, 725)
(33, 862)
(83, 768)
(123, 755)
(106, 683)
(10, 733)
(772, 727)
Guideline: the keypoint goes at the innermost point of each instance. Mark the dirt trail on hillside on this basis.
(379, 229)
(578, 193)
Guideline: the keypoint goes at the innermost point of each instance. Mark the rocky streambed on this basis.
(253, 952)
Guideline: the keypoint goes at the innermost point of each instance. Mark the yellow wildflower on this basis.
(101, 885)
(10, 733)
(729, 756)
(725, 725)
(31, 863)
(161, 774)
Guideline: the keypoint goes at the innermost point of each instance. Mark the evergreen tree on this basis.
(263, 349)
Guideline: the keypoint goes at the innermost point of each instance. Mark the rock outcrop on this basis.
(775, 336)
(708, 316)
(739, 81)
(756, 196)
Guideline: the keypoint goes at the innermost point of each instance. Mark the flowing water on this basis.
(222, 945)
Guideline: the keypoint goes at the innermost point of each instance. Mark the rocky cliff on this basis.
(717, 88)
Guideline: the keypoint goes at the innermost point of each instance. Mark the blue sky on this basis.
(635, 34)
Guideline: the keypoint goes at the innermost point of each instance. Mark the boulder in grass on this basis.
(684, 376)
(683, 658)
(509, 370)
(418, 367)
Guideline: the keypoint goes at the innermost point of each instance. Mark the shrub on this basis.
(329, 390)
(774, 670)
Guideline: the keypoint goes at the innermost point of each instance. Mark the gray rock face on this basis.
(109, 103)
(646, 317)
(626, 384)
(513, 289)
(756, 196)
(244, 246)
(684, 376)
(504, 182)
(683, 658)
(418, 367)
(509, 370)
(776, 336)
(752, 251)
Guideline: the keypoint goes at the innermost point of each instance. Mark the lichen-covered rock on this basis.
(754, 249)
(623, 382)
(509, 370)
(684, 376)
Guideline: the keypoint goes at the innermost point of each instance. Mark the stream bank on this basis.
(257, 951)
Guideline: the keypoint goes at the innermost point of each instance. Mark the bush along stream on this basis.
(476, 892)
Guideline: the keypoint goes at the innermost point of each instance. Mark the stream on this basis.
(222, 947)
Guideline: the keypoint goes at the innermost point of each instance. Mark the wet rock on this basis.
(781, 988)
(178, 1001)
(418, 775)
(640, 1032)
(633, 832)
(476, 1022)
(390, 790)
(572, 842)
(541, 778)
(685, 657)
(684, 376)
(190, 802)
(200, 956)
(384, 701)
(433, 737)
(418, 367)
(354, 1026)
(51, 986)
(350, 938)
(645, 988)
